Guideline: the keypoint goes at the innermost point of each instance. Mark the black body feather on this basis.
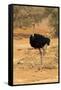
(39, 41)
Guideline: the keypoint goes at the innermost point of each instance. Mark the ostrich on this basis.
(38, 41)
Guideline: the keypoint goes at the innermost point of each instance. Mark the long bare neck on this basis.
(33, 28)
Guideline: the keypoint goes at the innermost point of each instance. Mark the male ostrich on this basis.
(38, 41)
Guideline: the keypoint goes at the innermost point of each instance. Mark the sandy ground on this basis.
(26, 63)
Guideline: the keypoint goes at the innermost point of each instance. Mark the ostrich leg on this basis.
(41, 56)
